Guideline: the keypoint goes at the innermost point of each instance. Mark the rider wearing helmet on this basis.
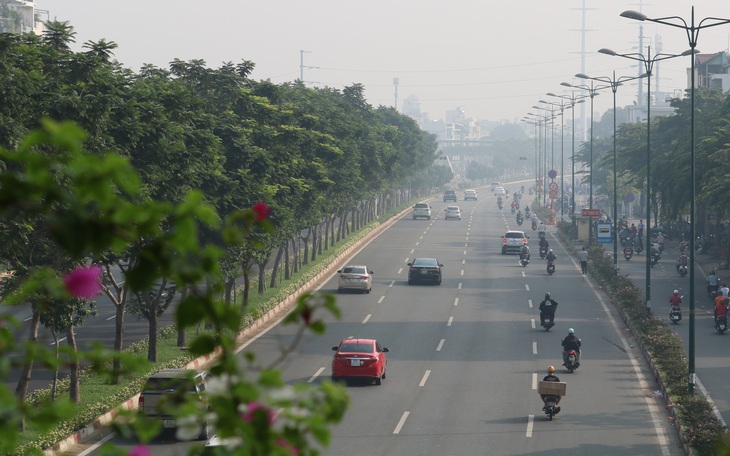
(550, 255)
(551, 377)
(571, 342)
(547, 309)
(675, 300)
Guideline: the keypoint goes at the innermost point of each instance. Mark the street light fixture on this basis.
(648, 62)
(592, 90)
(614, 82)
(562, 104)
(540, 120)
(545, 170)
(574, 100)
(692, 32)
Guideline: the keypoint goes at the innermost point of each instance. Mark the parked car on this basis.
(424, 270)
(512, 241)
(165, 390)
(449, 195)
(452, 212)
(355, 277)
(359, 358)
(421, 210)
(470, 194)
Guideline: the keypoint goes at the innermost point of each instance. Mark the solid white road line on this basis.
(381, 299)
(534, 348)
(440, 345)
(451, 319)
(401, 422)
(316, 374)
(530, 421)
(367, 318)
(425, 377)
(456, 302)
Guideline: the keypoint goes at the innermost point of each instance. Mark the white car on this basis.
(421, 210)
(495, 185)
(499, 191)
(470, 194)
(355, 277)
(452, 212)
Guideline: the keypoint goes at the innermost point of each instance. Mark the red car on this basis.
(359, 358)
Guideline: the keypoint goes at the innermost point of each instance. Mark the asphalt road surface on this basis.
(465, 357)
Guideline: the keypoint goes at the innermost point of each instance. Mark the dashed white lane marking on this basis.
(451, 320)
(425, 377)
(393, 281)
(367, 317)
(459, 287)
(523, 274)
(464, 252)
(530, 421)
(532, 323)
(381, 299)
(316, 374)
(413, 250)
(534, 380)
(401, 422)
(456, 301)
(399, 271)
(111, 318)
(463, 261)
(462, 272)
(440, 345)
(406, 260)
(527, 287)
(529, 303)
(466, 244)
(534, 348)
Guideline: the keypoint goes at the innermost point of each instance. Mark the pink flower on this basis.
(294, 451)
(254, 407)
(262, 211)
(84, 282)
(139, 450)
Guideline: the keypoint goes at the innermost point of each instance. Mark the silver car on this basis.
(355, 277)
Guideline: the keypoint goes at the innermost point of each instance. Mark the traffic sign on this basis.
(553, 194)
(553, 185)
(630, 198)
(604, 233)
(590, 212)
(552, 174)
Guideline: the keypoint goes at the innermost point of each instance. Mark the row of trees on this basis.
(323, 160)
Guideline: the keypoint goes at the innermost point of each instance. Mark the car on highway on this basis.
(421, 210)
(359, 358)
(449, 195)
(470, 194)
(452, 212)
(512, 241)
(495, 185)
(499, 191)
(424, 270)
(355, 277)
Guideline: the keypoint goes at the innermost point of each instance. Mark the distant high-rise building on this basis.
(412, 108)
(20, 16)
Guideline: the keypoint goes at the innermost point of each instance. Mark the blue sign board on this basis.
(604, 233)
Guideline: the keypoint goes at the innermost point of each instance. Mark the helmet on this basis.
(551, 250)
(676, 291)
(571, 331)
(551, 369)
(547, 295)
(712, 272)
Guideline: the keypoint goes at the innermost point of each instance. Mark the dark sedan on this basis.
(426, 270)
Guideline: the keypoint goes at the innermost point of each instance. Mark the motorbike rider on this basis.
(713, 282)
(675, 300)
(544, 245)
(683, 260)
(551, 256)
(519, 217)
(548, 306)
(571, 342)
(720, 306)
(527, 211)
(541, 230)
(525, 252)
(655, 251)
(551, 377)
(724, 289)
(660, 240)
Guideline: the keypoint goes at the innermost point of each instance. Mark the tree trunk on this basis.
(21, 391)
(121, 307)
(314, 242)
(54, 385)
(287, 262)
(262, 277)
(74, 387)
(152, 334)
(182, 339)
(277, 262)
(305, 256)
(229, 286)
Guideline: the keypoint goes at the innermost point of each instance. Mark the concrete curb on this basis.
(200, 363)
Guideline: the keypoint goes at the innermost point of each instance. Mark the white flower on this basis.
(220, 385)
(285, 393)
(188, 427)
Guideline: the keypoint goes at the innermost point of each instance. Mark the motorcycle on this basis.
(525, 259)
(551, 408)
(675, 314)
(499, 205)
(638, 246)
(654, 257)
(519, 221)
(534, 226)
(541, 235)
(551, 267)
(572, 363)
(549, 322)
(713, 291)
(513, 209)
(721, 324)
(543, 251)
(628, 253)
(529, 191)
(682, 269)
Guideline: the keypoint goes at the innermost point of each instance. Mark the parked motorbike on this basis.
(682, 270)
(551, 408)
(524, 259)
(572, 363)
(551, 267)
(628, 252)
(675, 314)
(721, 324)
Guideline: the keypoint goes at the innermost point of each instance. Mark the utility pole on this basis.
(582, 53)
(302, 66)
(395, 84)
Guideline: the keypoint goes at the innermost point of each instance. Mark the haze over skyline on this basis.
(495, 60)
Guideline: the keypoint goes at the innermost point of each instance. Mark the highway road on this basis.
(465, 357)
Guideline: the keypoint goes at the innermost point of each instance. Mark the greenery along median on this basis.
(699, 427)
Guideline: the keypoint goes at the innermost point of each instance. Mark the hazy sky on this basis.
(494, 59)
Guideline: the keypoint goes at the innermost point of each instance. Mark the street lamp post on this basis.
(574, 100)
(531, 121)
(592, 92)
(539, 120)
(648, 62)
(692, 32)
(614, 83)
(562, 104)
(551, 117)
